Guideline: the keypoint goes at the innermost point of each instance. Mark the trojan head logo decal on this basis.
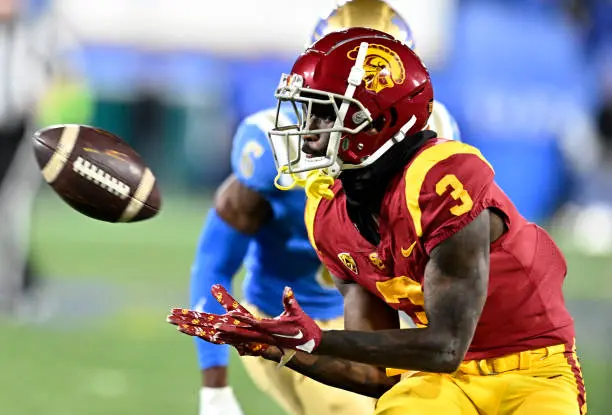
(348, 262)
(383, 67)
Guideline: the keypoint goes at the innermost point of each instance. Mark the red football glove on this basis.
(204, 325)
(293, 329)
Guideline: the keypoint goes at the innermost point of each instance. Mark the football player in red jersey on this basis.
(415, 223)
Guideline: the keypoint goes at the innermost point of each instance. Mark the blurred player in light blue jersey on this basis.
(256, 225)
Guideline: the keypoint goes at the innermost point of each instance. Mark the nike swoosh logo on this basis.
(406, 252)
(297, 336)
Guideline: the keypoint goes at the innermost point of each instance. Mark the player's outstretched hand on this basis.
(293, 329)
(205, 325)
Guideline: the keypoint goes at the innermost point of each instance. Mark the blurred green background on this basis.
(100, 343)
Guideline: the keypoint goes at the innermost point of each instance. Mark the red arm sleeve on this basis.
(447, 186)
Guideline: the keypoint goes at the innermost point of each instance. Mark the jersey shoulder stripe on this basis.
(310, 214)
(417, 170)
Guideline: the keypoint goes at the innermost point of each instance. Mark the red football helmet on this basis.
(369, 79)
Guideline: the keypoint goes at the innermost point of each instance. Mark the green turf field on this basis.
(106, 348)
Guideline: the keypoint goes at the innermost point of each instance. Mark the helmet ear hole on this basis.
(393, 113)
(379, 123)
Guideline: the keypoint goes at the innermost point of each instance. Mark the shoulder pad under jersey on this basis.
(447, 185)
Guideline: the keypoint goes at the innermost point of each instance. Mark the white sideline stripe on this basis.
(141, 195)
(62, 153)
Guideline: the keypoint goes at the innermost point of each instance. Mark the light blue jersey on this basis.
(279, 254)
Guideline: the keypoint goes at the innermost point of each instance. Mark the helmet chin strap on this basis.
(399, 136)
(335, 169)
(316, 183)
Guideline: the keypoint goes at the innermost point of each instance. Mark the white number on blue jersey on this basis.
(251, 151)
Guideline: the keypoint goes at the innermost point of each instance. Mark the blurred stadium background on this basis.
(529, 81)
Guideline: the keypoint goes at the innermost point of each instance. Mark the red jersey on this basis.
(445, 186)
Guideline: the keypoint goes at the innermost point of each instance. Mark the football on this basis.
(96, 173)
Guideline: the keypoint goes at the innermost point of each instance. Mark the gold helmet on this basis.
(373, 14)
